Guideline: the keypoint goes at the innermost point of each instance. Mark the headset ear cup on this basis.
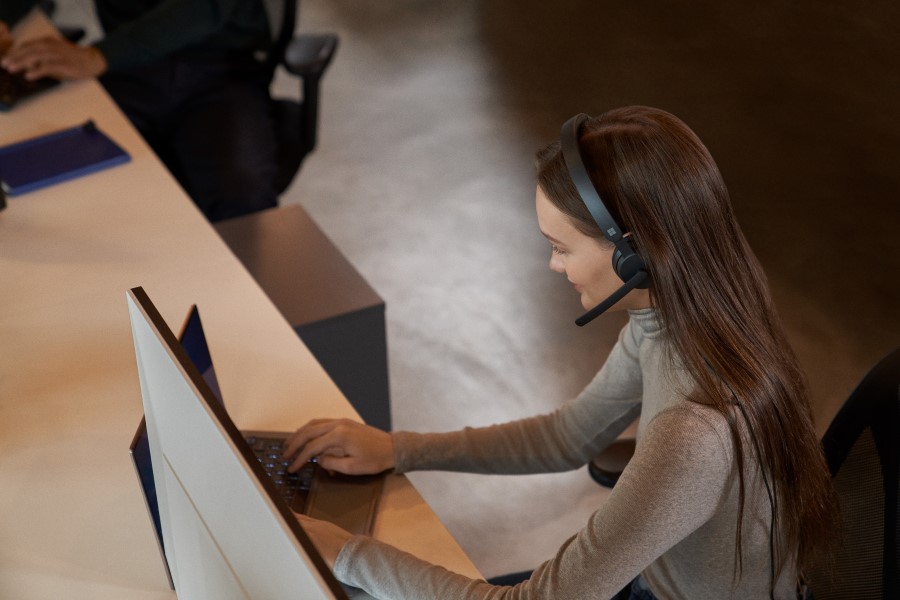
(617, 263)
(626, 265)
(629, 263)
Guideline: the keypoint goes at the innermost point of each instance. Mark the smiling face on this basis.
(586, 261)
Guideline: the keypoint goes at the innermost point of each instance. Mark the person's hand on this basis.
(341, 445)
(54, 57)
(328, 538)
(5, 38)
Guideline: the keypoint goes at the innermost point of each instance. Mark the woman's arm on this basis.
(563, 440)
(671, 487)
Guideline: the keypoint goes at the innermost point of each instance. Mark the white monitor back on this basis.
(224, 536)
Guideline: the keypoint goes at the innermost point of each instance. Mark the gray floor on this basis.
(431, 113)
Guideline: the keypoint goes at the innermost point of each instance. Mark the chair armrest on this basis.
(309, 54)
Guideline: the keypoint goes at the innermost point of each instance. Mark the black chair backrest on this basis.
(305, 56)
(862, 447)
(282, 15)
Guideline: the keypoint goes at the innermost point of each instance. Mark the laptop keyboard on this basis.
(15, 86)
(293, 487)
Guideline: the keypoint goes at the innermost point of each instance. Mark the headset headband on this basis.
(627, 263)
(572, 155)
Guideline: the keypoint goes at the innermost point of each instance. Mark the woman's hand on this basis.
(328, 538)
(54, 57)
(341, 445)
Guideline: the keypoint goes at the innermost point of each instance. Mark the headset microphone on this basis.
(636, 280)
(627, 263)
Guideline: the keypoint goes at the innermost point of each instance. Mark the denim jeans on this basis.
(640, 591)
(636, 590)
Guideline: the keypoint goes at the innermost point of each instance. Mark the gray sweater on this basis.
(671, 516)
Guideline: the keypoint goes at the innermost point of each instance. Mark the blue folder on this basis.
(38, 162)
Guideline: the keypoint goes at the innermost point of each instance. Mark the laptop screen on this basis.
(211, 500)
(193, 340)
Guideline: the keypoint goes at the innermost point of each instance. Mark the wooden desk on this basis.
(332, 308)
(72, 519)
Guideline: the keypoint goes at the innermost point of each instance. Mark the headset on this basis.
(627, 263)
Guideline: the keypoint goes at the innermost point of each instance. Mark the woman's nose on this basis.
(556, 263)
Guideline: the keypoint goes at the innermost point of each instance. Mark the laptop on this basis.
(14, 87)
(347, 501)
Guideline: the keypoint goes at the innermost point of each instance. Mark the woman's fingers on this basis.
(341, 445)
(326, 444)
(306, 434)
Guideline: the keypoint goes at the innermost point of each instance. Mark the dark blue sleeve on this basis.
(168, 27)
(11, 11)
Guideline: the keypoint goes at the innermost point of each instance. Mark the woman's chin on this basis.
(590, 303)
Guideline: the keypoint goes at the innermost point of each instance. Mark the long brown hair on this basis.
(659, 182)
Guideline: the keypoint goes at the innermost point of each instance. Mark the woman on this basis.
(727, 495)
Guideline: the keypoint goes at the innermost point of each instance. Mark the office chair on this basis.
(862, 447)
(606, 468)
(307, 56)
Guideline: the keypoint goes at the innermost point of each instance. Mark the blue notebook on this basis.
(38, 162)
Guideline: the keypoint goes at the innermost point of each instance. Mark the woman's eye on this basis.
(557, 250)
